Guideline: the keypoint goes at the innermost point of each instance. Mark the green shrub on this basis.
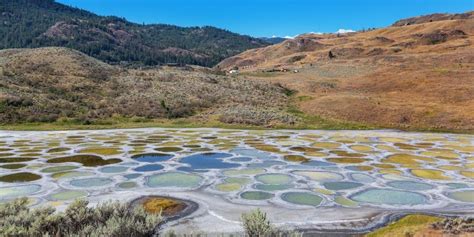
(106, 219)
(257, 224)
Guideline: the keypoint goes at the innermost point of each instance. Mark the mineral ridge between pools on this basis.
(353, 173)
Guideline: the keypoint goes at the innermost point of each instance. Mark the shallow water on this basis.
(90, 182)
(389, 197)
(174, 180)
(301, 198)
(279, 168)
(206, 161)
(256, 195)
(152, 157)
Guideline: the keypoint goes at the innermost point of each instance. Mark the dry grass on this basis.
(409, 77)
(412, 225)
(64, 86)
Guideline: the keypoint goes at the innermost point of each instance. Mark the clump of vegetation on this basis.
(72, 92)
(256, 223)
(407, 226)
(455, 226)
(106, 219)
(256, 116)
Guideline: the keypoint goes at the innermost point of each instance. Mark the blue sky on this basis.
(272, 17)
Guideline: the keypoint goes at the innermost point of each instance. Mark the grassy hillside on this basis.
(64, 85)
(417, 74)
(40, 23)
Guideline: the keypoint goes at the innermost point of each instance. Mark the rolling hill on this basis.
(63, 85)
(41, 23)
(417, 73)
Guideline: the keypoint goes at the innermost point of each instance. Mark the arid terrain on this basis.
(110, 127)
(416, 74)
(64, 85)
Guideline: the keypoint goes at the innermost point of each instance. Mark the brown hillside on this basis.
(59, 84)
(417, 75)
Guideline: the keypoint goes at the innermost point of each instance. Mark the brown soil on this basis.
(415, 76)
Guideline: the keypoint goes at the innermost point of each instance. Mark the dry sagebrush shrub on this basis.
(256, 116)
(106, 219)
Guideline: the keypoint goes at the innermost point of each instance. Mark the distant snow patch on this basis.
(344, 31)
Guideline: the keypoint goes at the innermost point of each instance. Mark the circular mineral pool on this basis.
(302, 198)
(252, 153)
(389, 197)
(19, 177)
(363, 178)
(175, 180)
(12, 166)
(256, 195)
(320, 175)
(59, 169)
(241, 159)
(149, 168)
(71, 174)
(266, 164)
(114, 169)
(273, 187)
(127, 185)
(463, 196)
(90, 182)
(317, 163)
(67, 195)
(132, 176)
(152, 157)
(168, 149)
(190, 170)
(18, 191)
(410, 185)
(359, 168)
(457, 185)
(345, 201)
(129, 163)
(228, 187)
(274, 179)
(341, 185)
(244, 172)
(209, 160)
(242, 181)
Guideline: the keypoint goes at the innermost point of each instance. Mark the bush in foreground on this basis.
(106, 219)
(456, 225)
(256, 224)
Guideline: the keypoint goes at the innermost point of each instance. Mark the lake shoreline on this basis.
(171, 125)
(310, 180)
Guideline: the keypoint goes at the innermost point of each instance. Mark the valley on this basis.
(202, 131)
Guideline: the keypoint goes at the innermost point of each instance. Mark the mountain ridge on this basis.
(113, 39)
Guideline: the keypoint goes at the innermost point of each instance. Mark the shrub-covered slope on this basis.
(51, 84)
(39, 23)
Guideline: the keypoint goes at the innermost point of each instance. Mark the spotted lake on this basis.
(305, 179)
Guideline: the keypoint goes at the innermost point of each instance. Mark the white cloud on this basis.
(292, 37)
(344, 31)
